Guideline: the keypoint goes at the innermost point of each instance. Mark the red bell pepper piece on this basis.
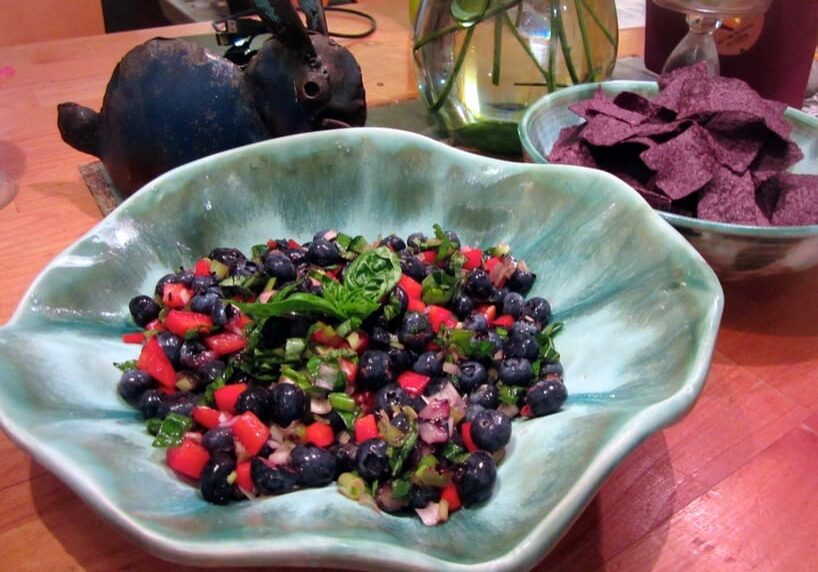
(473, 256)
(319, 434)
(325, 335)
(489, 311)
(451, 496)
(153, 361)
(412, 287)
(206, 416)
(504, 321)
(176, 295)
(428, 256)
(365, 400)
(133, 337)
(244, 479)
(440, 316)
(251, 432)
(155, 326)
(358, 341)
(366, 428)
(225, 343)
(293, 245)
(350, 369)
(413, 383)
(238, 323)
(202, 267)
(465, 432)
(180, 322)
(227, 396)
(189, 458)
(492, 262)
(415, 305)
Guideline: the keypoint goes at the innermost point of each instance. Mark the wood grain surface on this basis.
(732, 486)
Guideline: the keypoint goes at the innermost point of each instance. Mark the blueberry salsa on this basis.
(393, 368)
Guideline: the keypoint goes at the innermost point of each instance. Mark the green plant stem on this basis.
(556, 23)
(455, 27)
(514, 32)
(498, 49)
(461, 56)
(598, 21)
(552, 53)
(586, 44)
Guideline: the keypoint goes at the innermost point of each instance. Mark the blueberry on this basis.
(546, 397)
(386, 500)
(478, 285)
(181, 402)
(371, 460)
(378, 337)
(491, 430)
(515, 371)
(538, 309)
(476, 323)
(416, 240)
(472, 411)
(344, 457)
(274, 333)
(144, 310)
(521, 281)
(133, 383)
(233, 258)
(523, 328)
(160, 284)
(390, 396)
(272, 481)
(152, 404)
(323, 252)
(325, 233)
(288, 401)
(204, 302)
(194, 354)
(461, 305)
(214, 479)
(400, 358)
(257, 400)
(219, 439)
(486, 396)
(401, 422)
(552, 370)
(475, 478)
(412, 266)
(521, 347)
(496, 297)
(278, 266)
(420, 496)
(471, 375)
(374, 369)
(415, 331)
(222, 312)
(394, 242)
(399, 300)
(513, 304)
(171, 345)
(209, 371)
(435, 386)
(201, 284)
(429, 363)
(315, 466)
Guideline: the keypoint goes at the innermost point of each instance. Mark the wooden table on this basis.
(733, 486)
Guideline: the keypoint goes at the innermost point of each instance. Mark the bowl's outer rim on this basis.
(526, 553)
(725, 228)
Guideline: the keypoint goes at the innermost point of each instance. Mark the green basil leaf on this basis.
(438, 287)
(172, 430)
(373, 273)
(125, 365)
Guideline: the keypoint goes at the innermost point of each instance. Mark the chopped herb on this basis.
(125, 365)
(152, 425)
(454, 453)
(172, 430)
(511, 394)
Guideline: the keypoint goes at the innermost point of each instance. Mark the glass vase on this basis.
(481, 63)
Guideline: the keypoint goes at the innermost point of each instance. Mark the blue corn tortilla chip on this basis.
(797, 201)
(775, 156)
(605, 131)
(583, 108)
(684, 164)
(731, 198)
(673, 86)
(635, 103)
(736, 138)
(611, 109)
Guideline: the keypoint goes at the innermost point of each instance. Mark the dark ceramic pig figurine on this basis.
(169, 101)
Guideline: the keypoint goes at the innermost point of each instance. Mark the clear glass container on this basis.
(481, 63)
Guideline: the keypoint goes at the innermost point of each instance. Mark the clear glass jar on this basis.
(481, 63)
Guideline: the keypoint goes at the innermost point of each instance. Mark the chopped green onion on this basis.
(342, 402)
(293, 348)
(351, 485)
(401, 488)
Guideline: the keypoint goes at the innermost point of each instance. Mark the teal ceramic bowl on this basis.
(734, 251)
(640, 306)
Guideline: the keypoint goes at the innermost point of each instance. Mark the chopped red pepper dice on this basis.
(411, 286)
(473, 256)
(413, 383)
(504, 321)
(451, 496)
(182, 322)
(133, 337)
(251, 432)
(366, 428)
(349, 368)
(202, 267)
(227, 396)
(176, 295)
(153, 361)
(225, 343)
(244, 478)
(415, 305)
(319, 434)
(206, 416)
(189, 458)
(465, 432)
(440, 316)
